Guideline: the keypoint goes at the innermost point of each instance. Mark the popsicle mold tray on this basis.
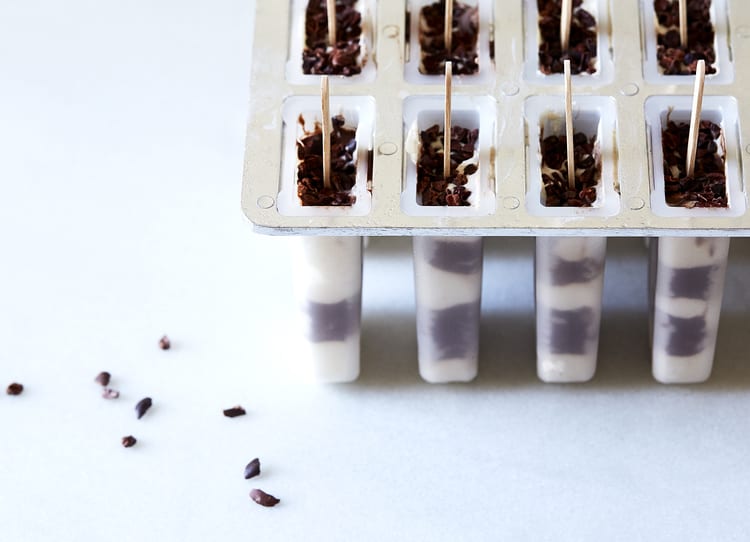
(625, 101)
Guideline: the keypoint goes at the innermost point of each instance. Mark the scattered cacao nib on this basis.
(103, 378)
(129, 441)
(672, 57)
(109, 393)
(432, 188)
(234, 412)
(707, 187)
(14, 389)
(310, 187)
(582, 47)
(464, 39)
(588, 171)
(319, 57)
(252, 469)
(142, 406)
(164, 343)
(263, 498)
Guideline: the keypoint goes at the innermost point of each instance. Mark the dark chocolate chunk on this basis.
(263, 498)
(252, 469)
(582, 47)
(129, 441)
(142, 406)
(103, 378)
(571, 330)
(707, 187)
(310, 187)
(109, 393)
(686, 335)
(588, 171)
(673, 58)
(691, 282)
(14, 389)
(465, 33)
(575, 272)
(234, 412)
(342, 57)
(164, 343)
(333, 321)
(457, 256)
(454, 330)
(432, 188)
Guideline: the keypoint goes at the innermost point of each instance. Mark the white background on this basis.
(121, 147)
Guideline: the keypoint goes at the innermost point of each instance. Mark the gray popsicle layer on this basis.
(571, 330)
(454, 331)
(333, 321)
(462, 257)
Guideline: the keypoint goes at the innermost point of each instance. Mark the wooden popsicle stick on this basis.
(569, 126)
(448, 27)
(683, 23)
(566, 17)
(325, 95)
(447, 120)
(695, 118)
(331, 6)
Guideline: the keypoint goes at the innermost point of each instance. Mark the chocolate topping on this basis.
(310, 187)
(318, 57)
(587, 175)
(465, 32)
(581, 43)
(672, 57)
(707, 187)
(432, 188)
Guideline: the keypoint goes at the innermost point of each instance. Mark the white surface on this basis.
(122, 139)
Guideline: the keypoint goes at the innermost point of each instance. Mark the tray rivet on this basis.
(743, 31)
(635, 203)
(387, 148)
(631, 89)
(509, 89)
(265, 202)
(747, 149)
(391, 31)
(511, 202)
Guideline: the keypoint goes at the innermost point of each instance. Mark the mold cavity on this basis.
(667, 61)
(715, 188)
(596, 191)
(589, 47)
(302, 191)
(469, 189)
(311, 54)
(470, 50)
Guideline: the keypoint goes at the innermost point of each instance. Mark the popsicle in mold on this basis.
(447, 270)
(328, 270)
(689, 276)
(569, 271)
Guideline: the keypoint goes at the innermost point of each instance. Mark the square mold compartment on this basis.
(358, 112)
(652, 72)
(718, 109)
(486, 73)
(605, 69)
(471, 112)
(592, 115)
(294, 73)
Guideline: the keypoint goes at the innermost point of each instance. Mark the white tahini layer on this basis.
(328, 269)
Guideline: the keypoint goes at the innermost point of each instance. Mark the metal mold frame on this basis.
(269, 88)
